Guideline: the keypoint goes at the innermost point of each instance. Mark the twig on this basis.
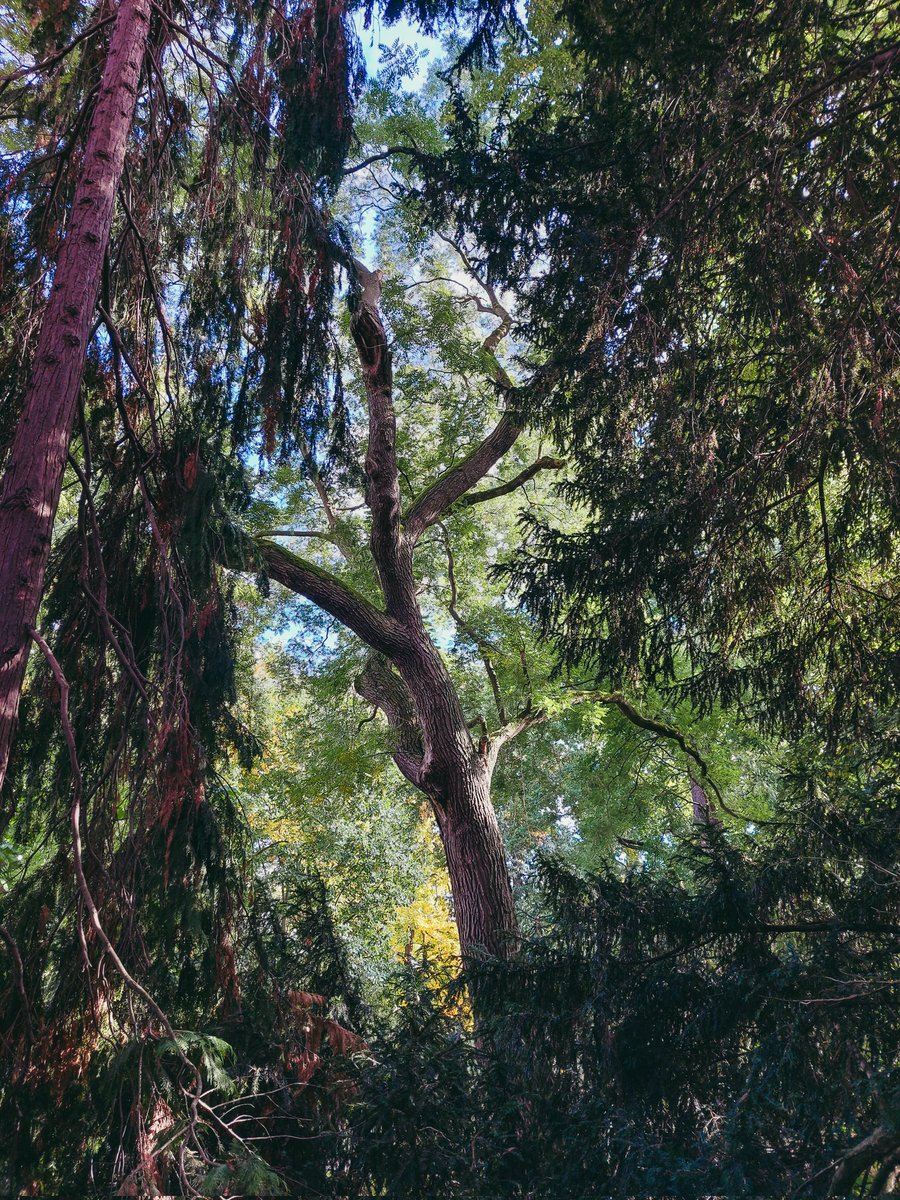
(545, 463)
(482, 644)
(20, 978)
(22, 72)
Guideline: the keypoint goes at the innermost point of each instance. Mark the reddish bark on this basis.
(31, 485)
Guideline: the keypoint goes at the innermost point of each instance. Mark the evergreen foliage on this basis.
(664, 237)
(701, 226)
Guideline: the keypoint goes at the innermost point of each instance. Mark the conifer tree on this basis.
(33, 471)
(703, 234)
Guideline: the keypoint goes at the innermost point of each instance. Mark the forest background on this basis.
(448, 599)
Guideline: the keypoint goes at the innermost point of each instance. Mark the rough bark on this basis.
(33, 479)
(876, 1148)
(444, 492)
(433, 749)
(476, 863)
(374, 627)
(379, 683)
(390, 550)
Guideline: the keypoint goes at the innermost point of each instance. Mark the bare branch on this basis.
(381, 156)
(318, 483)
(527, 719)
(297, 533)
(333, 596)
(493, 306)
(483, 645)
(666, 731)
(454, 484)
(545, 463)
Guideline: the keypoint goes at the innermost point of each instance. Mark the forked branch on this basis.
(526, 719)
(459, 480)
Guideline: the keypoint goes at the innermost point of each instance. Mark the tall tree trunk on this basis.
(457, 778)
(476, 864)
(434, 750)
(31, 485)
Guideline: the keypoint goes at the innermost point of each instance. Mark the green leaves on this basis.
(208, 1052)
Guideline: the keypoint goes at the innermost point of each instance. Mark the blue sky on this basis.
(378, 35)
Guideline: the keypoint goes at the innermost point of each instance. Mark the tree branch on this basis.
(389, 152)
(484, 647)
(666, 731)
(392, 557)
(318, 483)
(297, 533)
(379, 683)
(86, 894)
(45, 63)
(453, 484)
(493, 306)
(526, 719)
(701, 809)
(19, 971)
(847, 1169)
(545, 463)
(333, 596)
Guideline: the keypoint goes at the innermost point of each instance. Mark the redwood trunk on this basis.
(31, 485)
(476, 862)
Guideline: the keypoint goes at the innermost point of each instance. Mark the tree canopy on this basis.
(449, 659)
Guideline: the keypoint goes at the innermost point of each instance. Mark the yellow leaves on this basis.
(424, 934)
(280, 830)
(424, 931)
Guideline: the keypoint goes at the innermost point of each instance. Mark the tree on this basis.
(406, 677)
(33, 474)
(193, 1008)
(285, 371)
(720, 1026)
(703, 235)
